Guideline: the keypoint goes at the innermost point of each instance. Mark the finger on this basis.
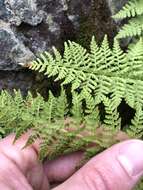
(23, 158)
(60, 169)
(118, 168)
(63, 167)
(26, 160)
(11, 177)
(21, 141)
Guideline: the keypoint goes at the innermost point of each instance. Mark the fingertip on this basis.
(119, 167)
(131, 157)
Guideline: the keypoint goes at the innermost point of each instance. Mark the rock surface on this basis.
(28, 27)
(116, 5)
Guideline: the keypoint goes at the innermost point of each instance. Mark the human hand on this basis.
(118, 168)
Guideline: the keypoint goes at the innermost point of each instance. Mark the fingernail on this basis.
(131, 158)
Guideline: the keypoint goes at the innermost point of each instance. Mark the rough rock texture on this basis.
(12, 50)
(99, 22)
(28, 27)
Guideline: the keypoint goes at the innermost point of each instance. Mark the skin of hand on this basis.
(118, 168)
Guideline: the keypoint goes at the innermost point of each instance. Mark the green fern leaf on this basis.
(131, 9)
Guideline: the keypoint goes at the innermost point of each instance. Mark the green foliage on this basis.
(60, 132)
(103, 72)
(112, 118)
(99, 81)
(139, 186)
(133, 10)
(104, 76)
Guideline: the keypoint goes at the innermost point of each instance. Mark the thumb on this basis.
(118, 168)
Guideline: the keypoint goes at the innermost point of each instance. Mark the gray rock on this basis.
(22, 80)
(29, 27)
(24, 11)
(12, 49)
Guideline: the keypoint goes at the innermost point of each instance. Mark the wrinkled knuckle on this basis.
(95, 179)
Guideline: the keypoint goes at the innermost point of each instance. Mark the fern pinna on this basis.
(104, 76)
(60, 129)
(133, 10)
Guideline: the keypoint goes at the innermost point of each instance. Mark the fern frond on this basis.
(95, 55)
(100, 80)
(106, 56)
(131, 9)
(133, 28)
(102, 72)
(77, 110)
(90, 101)
(130, 95)
(92, 120)
(51, 108)
(79, 58)
(61, 105)
(135, 130)
(118, 91)
(135, 57)
(112, 119)
(119, 57)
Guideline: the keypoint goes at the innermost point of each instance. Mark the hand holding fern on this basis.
(119, 167)
(21, 170)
